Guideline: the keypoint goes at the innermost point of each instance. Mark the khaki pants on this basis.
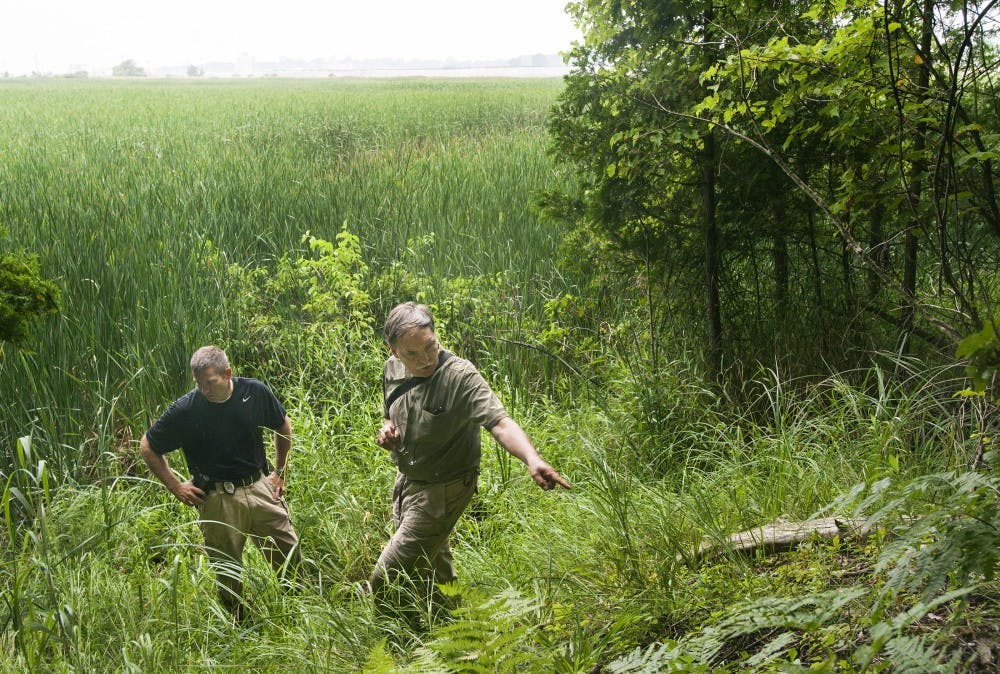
(424, 514)
(226, 521)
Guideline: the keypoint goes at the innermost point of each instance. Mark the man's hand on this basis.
(387, 436)
(513, 438)
(188, 494)
(277, 483)
(546, 477)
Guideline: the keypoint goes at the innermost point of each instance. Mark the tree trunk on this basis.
(713, 313)
(879, 251)
(821, 308)
(916, 177)
(781, 535)
(780, 261)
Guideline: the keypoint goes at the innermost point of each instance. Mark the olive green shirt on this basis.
(438, 421)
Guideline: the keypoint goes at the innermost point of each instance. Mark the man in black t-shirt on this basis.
(218, 425)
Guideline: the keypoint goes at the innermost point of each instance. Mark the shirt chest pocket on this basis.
(435, 426)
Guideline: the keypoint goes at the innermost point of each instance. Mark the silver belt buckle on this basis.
(229, 487)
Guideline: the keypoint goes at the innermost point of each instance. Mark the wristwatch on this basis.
(280, 472)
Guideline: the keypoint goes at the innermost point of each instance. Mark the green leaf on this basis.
(976, 341)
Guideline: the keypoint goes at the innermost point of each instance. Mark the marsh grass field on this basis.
(123, 188)
(281, 219)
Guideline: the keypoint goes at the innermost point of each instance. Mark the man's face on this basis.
(418, 350)
(214, 385)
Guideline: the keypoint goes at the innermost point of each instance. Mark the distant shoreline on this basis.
(537, 66)
(347, 73)
(402, 71)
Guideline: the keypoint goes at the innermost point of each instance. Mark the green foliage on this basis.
(24, 294)
(334, 293)
(99, 563)
(177, 176)
(42, 625)
(953, 541)
(561, 581)
(943, 555)
(310, 303)
(782, 170)
(487, 634)
(982, 351)
(567, 335)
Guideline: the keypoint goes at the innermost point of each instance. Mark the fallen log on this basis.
(781, 535)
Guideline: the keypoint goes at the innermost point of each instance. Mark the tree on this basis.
(194, 71)
(838, 154)
(881, 97)
(24, 294)
(128, 68)
(652, 185)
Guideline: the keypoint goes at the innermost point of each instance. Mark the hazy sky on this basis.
(62, 35)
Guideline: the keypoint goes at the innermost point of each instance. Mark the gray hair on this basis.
(405, 317)
(209, 357)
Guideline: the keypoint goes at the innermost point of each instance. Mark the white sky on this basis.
(57, 36)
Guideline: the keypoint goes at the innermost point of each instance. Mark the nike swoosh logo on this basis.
(246, 399)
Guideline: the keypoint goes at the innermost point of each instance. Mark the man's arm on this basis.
(185, 492)
(512, 437)
(282, 447)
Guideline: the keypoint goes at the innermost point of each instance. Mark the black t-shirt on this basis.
(221, 440)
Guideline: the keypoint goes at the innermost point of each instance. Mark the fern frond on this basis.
(655, 659)
(486, 635)
(379, 661)
(916, 655)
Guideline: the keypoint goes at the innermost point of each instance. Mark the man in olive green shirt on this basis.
(435, 404)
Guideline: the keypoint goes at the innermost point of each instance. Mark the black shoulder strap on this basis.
(401, 390)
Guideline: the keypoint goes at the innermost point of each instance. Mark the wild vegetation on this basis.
(810, 182)
(281, 220)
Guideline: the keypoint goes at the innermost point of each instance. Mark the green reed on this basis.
(122, 187)
(110, 578)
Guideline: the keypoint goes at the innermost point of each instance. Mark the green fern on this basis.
(946, 542)
(773, 626)
(954, 538)
(917, 655)
(657, 658)
(488, 635)
(379, 661)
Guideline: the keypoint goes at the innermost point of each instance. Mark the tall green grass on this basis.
(109, 578)
(173, 214)
(122, 187)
